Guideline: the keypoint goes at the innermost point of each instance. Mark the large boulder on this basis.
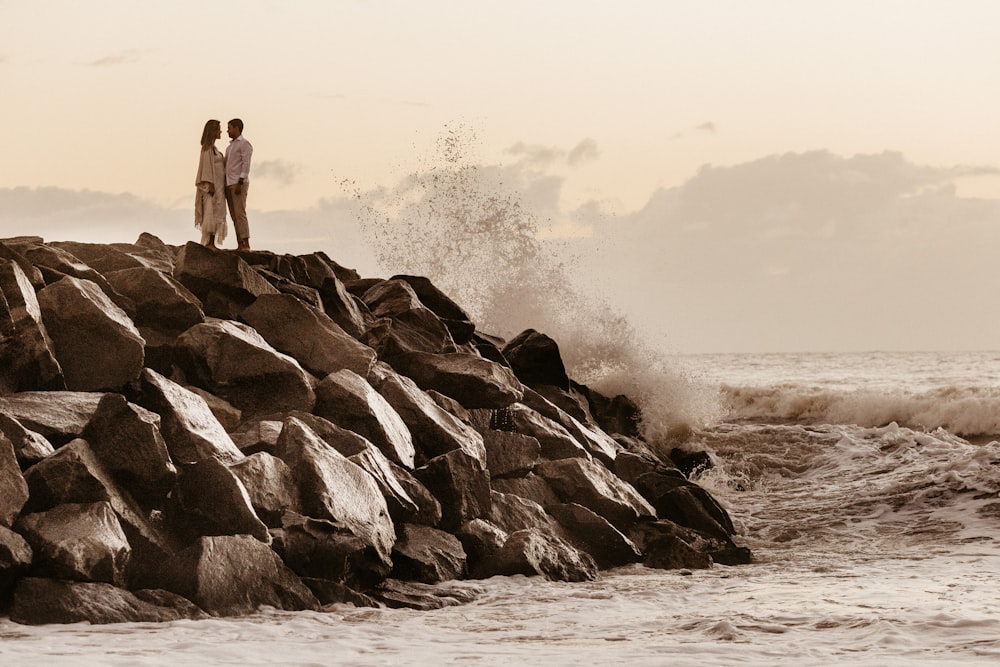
(333, 488)
(307, 334)
(482, 542)
(413, 327)
(461, 484)
(667, 546)
(533, 552)
(58, 416)
(43, 601)
(427, 555)
(555, 441)
(435, 431)
(27, 354)
(127, 440)
(223, 282)
(269, 484)
(589, 532)
(13, 488)
(348, 400)
(30, 447)
(598, 443)
(161, 301)
(469, 379)
(100, 257)
(510, 454)
(398, 594)
(56, 263)
(234, 362)
(190, 429)
(209, 499)
(78, 542)
(531, 486)
(95, 341)
(234, 575)
(595, 487)
(535, 359)
(451, 314)
(15, 558)
(388, 475)
(343, 308)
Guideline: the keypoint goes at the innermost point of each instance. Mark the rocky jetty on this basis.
(188, 433)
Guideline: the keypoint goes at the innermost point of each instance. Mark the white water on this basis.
(875, 544)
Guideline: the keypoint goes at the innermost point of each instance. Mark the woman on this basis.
(210, 197)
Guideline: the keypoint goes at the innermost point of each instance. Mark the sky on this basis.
(732, 176)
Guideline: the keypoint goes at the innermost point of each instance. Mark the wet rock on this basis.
(510, 454)
(533, 552)
(435, 431)
(333, 488)
(189, 428)
(307, 334)
(427, 555)
(27, 353)
(232, 361)
(127, 440)
(269, 484)
(461, 484)
(593, 534)
(482, 541)
(452, 315)
(42, 601)
(13, 488)
(667, 546)
(234, 575)
(222, 281)
(161, 301)
(58, 416)
(593, 486)
(348, 400)
(78, 542)
(335, 593)
(424, 597)
(471, 380)
(15, 558)
(690, 463)
(322, 549)
(555, 441)
(96, 343)
(619, 414)
(535, 359)
(209, 499)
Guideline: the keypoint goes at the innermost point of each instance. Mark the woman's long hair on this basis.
(210, 134)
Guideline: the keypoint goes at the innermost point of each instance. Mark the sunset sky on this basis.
(735, 176)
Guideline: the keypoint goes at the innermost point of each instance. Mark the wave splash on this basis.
(464, 226)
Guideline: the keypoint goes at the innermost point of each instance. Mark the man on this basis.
(238, 181)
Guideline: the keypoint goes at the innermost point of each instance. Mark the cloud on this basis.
(128, 57)
(285, 173)
(708, 128)
(548, 156)
(584, 151)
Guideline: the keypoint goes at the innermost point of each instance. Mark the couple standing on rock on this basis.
(223, 180)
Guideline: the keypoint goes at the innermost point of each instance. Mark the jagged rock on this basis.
(29, 446)
(322, 549)
(161, 301)
(488, 347)
(384, 472)
(615, 415)
(510, 454)
(569, 401)
(343, 308)
(413, 328)
(472, 381)
(348, 400)
(82, 542)
(100, 257)
(58, 416)
(461, 484)
(27, 356)
(597, 443)
(308, 295)
(435, 431)
(228, 414)
(531, 486)
(42, 601)
(232, 360)
(534, 552)
(96, 343)
(451, 314)
(209, 499)
(13, 488)
(690, 463)
(594, 534)
(593, 486)
(15, 558)
(482, 541)
(307, 334)
(334, 593)
(665, 546)
(223, 282)
(331, 487)
(56, 264)
(511, 513)
(126, 438)
(555, 441)
(188, 426)
(153, 251)
(269, 484)
(232, 575)
(427, 555)
(535, 359)
(423, 597)
(34, 276)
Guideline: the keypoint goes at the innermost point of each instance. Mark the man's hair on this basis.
(238, 123)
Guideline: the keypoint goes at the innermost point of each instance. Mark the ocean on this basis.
(865, 484)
